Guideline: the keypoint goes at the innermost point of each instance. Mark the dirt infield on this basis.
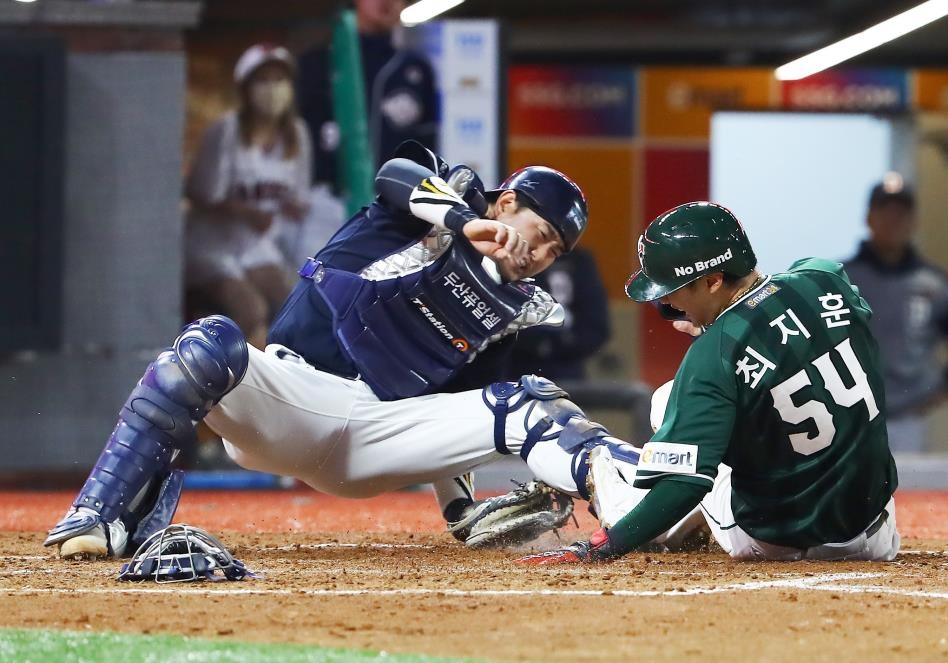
(369, 584)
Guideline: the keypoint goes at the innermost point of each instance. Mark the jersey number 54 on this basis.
(844, 396)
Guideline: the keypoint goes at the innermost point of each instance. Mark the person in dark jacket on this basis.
(400, 91)
(909, 300)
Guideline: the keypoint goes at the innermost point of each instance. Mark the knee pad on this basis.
(546, 411)
(212, 357)
(547, 414)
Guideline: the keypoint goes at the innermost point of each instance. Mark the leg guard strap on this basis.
(580, 470)
(497, 398)
(534, 435)
(546, 405)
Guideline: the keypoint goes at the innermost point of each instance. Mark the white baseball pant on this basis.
(334, 434)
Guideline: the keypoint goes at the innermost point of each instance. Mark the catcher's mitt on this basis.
(513, 519)
(180, 553)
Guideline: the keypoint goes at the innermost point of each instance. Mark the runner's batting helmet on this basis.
(684, 244)
(553, 196)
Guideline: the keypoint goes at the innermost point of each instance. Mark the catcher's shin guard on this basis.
(131, 478)
(556, 434)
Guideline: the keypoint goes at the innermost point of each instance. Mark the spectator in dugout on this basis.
(400, 91)
(909, 300)
(251, 175)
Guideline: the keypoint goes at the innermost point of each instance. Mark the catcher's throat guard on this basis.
(181, 553)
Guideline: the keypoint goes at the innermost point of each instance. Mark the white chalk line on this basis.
(822, 582)
(876, 589)
(318, 546)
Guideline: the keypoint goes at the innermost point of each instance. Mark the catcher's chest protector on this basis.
(408, 335)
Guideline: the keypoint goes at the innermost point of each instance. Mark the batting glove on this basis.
(597, 549)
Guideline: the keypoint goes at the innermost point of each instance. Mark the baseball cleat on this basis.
(82, 535)
(610, 493)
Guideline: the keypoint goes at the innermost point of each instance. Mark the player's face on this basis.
(544, 242)
(700, 300)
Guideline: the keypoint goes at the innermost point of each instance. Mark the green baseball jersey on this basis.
(785, 387)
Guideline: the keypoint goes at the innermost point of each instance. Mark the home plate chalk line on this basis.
(827, 582)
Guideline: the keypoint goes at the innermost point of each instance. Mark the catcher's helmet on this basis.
(553, 196)
(684, 244)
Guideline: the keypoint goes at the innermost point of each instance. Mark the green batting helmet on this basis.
(684, 244)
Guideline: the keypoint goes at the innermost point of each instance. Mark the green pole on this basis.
(356, 164)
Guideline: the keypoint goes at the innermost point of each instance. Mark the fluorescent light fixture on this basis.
(861, 42)
(424, 10)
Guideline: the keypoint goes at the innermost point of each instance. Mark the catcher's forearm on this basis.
(664, 505)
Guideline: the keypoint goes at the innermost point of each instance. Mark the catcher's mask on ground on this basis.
(181, 553)
(686, 243)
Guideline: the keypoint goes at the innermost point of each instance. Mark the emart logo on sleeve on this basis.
(669, 457)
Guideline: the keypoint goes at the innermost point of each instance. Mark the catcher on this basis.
(366, 384)
(774, 425)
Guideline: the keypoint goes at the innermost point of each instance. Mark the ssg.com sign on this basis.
(702, 265)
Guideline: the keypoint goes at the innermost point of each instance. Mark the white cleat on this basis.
(83, 536)
(611, 494)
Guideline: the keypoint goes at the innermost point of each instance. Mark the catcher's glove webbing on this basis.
(513, 519)
(181, 553)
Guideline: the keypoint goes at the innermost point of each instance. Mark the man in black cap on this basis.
(909, 299)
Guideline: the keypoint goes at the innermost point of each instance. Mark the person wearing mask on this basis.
(251, 174)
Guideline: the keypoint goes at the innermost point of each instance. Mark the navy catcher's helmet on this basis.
(553, 196)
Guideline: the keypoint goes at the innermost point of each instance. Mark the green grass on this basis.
(51, 646)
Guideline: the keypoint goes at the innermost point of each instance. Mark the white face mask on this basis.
(271, 98)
